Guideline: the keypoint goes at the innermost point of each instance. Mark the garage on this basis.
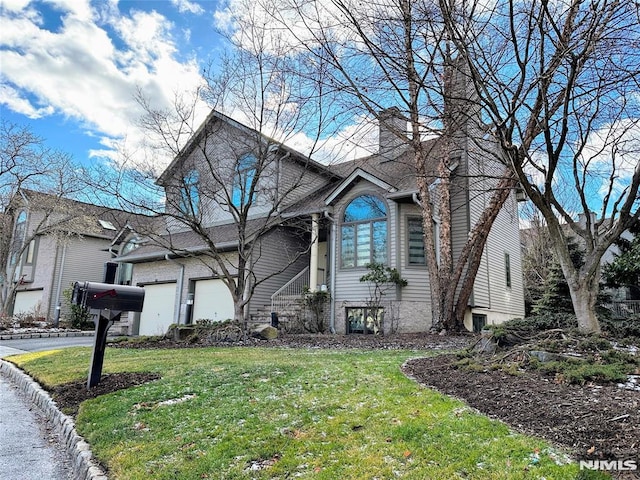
(212, 301)
(158, 308)
(27, 302)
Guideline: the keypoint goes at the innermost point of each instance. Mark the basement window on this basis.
(365, 320)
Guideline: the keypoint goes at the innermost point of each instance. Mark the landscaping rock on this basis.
(487, 343)
(265, 331)
(544, 357)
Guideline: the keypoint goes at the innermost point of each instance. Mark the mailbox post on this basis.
(108, 301)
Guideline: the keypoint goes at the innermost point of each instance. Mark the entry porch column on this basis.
(313, 264)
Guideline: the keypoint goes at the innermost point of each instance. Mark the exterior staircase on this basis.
(286, 302)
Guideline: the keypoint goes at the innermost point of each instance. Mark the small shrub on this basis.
(585, 372)
(593, 343)
(315, 304)
(77, 316)
(469, 364)
(546, 321)
(581, 371)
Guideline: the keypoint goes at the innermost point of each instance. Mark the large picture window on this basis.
(364, 232)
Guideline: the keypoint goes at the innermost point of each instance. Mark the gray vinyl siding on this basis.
(296, 181)
(348, 286)
(280, 176)
(417, 276)
(83, 262)
(460, 197)
(478, 172)
(279, 249)
(504, 238)
(490, 288)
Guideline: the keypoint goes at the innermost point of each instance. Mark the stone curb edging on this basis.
(21, 336)
(85, 467)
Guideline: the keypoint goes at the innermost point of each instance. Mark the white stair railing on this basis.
(290, 292)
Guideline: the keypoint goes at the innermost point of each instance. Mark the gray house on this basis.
(55, 242)
(317, 228)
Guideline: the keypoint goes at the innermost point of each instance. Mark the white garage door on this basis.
(212, 301)
(158, 308)
(27, 302)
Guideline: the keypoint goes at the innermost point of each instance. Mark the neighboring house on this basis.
(359, 212)
(68, 241)
(538, 252)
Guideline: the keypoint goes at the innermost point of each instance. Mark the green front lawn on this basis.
(251, 413)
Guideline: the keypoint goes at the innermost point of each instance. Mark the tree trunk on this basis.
(238, 312)
(584, 295)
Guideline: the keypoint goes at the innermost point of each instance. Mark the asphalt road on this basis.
(10, 347)
(29, 448)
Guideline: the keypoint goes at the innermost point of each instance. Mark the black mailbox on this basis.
(107, 296)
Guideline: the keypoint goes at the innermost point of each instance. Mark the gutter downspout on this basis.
(176, 313)
(332, 301)
(59, 287)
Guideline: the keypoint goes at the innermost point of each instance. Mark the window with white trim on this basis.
(364, 232)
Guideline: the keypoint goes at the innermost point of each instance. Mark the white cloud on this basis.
(90, 68)
(185, 6)
(15, 5)
(610, 157)
(10, 97)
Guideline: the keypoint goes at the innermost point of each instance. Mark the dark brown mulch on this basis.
(68, 396)
(594, 421)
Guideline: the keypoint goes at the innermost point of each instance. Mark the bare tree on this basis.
(558, 83)
(34, 182)
(225, 189)
(396, 53)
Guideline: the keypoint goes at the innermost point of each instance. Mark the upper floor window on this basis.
(18, 237)
(189, 194)
(245, 172)
(364, 232)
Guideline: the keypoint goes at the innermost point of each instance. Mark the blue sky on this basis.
(69, 69)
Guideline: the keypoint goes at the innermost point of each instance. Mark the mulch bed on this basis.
(69, 396)
(591, 421)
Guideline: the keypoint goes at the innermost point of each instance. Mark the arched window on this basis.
(364, 232)
(189, 194)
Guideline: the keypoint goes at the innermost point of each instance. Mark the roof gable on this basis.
(355, 176)
(274, 146)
